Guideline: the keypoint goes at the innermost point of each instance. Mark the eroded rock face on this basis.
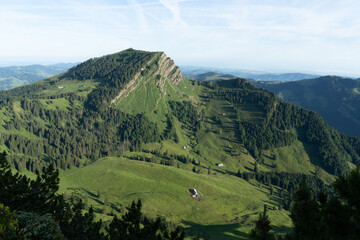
(161, 69)
(169, 70)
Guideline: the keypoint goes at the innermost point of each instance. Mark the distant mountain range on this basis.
(213, 73)
(210, 76)
(14, 76)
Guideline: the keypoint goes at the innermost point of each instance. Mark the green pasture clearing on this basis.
(226, 202)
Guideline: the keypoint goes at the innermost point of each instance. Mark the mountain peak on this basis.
(158, 73)
(110, 66)
(120, 74)
(125, 63)
(108, 80)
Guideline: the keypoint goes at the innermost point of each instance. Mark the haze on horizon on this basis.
(319, 36)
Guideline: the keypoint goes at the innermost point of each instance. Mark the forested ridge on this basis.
(335, 98)
(282, 123)
(72, 135)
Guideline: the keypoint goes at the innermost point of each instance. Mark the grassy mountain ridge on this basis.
(281, 123)
(131, 119)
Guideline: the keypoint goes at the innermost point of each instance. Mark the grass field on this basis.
(227, 209)
(56, 104)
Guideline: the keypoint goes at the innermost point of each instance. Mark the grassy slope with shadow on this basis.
(227, 210)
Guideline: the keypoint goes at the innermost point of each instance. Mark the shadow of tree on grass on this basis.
(209, 232)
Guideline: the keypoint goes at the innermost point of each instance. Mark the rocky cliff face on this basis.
(169, 70)
(156, 73)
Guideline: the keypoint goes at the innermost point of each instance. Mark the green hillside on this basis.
(336, 99)
(129, 126)
(226, 210)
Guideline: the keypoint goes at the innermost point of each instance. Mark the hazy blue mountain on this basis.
(14, 76)
(210, 76)
(283, 77)
(191, 71)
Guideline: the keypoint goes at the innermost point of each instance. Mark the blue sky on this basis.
(283, 35)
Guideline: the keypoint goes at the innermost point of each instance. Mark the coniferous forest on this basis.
(32, 209)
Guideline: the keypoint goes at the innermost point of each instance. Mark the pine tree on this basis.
(246, 176)
(133, 225)
(256, 167)
(262, 229)
(8, 223)
(305, 214)
(342, 213)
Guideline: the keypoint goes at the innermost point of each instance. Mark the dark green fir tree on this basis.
(262, 229)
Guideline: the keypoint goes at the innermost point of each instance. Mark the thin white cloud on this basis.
(302, 34)
(173, 7)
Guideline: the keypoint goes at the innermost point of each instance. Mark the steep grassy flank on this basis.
(217, 141)
(149, 92)
(227, 209)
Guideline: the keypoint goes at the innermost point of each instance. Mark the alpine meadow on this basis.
(124, 147)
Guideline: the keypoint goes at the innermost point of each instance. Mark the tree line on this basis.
(323, 217)
(65, 137)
